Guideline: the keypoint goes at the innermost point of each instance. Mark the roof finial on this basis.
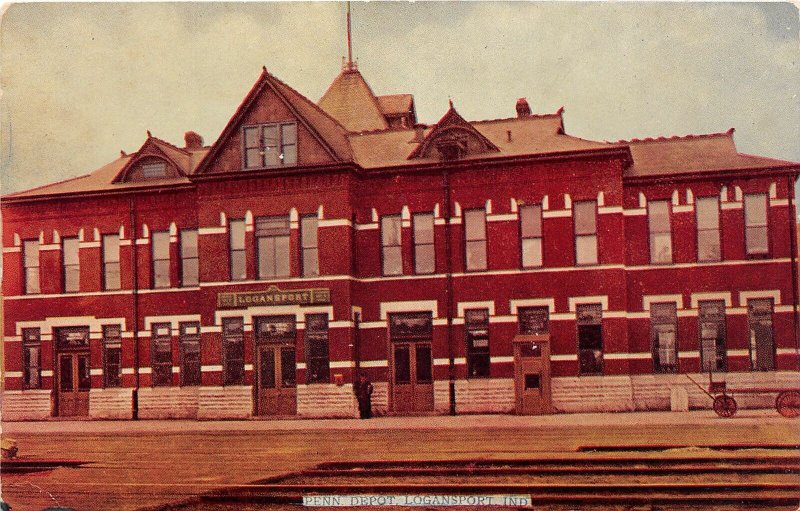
(349, 65)
(149, 135)
(450, 100)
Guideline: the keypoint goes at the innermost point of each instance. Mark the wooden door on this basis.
(412, 383)
(74, 382)
(276, 383)
(532, 374)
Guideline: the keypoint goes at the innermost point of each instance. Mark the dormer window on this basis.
(452, 147)
(270, 145)
(154, 170)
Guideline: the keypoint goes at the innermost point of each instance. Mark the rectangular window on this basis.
(238, 258)
(476, 324)
(664, 336)
(190, 260)
(270, 145)
(424, 252)
(233, 350)
(475, 239)
(111, 270)
(533, 320)
(585, 232)
(70, 259)
(762, 344)
(590, 338)
(316, 340)
(530, 225)
(712, 336)
(755, 224)
(390, 241)
(708, 239)
(31, 359)
(161, 354)
(309, 227)
(272, 246)
(112, 356)
(660, 232)
(190, 353)
(154, 170)
(161, 270)
(30, 258)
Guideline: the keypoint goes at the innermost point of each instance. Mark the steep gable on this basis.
(452, 138)
(350, 101)
(274, 118)
(155, 160)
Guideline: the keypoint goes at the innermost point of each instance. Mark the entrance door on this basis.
(276, 385)
(532, 374)
(74, 382)
(413, 377)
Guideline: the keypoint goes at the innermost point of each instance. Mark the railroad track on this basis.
(548, 481)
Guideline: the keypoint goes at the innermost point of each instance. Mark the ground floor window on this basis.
(590, 338)
(664, 333)
(316, 341)
(112, 356)
(31, 358)
(476, 324)
(233, 351)
(190, 353)
(533, 320)
(712, 335)
(762, 345)
(161, 354)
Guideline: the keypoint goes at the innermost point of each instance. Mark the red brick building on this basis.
(313, 242)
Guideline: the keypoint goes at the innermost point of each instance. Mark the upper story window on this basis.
(30, 258)
(238, 258)
(424, 252)
(111, 270)
(755, 224)
(190, 261)
(475, 239)
(660, 231)
(530, 227)
(390, 242)
(160, 242)
(272, 246)
(270, 145)
(585, 232)
(708, 238)
(70, 255)
(154, 170)
(310, 250)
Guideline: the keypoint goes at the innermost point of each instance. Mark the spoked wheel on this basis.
(725, 406)
(788, 403)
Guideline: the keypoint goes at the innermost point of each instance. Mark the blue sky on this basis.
(106, 73)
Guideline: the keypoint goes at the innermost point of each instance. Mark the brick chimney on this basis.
(523, 108)
(193, 140)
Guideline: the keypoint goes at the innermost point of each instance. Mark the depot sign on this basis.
(274, 296)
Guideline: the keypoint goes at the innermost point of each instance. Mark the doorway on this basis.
(276, 363)
(412, 362)
(532, 374)
(73, 372)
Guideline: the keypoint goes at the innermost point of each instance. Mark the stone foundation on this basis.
(111, 403)
(326, 400)
(168, 402)
(485, 395)
(230, 402)
(593, 394)
(26, 405)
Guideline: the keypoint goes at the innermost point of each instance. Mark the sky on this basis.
(80, 82)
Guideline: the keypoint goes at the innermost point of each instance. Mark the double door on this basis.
(74, 382)
(412, 377)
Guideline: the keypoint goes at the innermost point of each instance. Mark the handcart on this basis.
(787, 402)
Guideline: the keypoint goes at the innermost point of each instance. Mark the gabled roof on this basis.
(449, 122)
(331, 135)
(395, 104)
(350, 101)
(181, 159)
(691, 154)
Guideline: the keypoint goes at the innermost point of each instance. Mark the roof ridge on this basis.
(517, 118)
(690, 136)
(181, 149)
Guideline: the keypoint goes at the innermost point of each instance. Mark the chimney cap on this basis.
(523, 108)
(193, 140)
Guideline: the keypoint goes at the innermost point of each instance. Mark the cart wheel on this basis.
(788, 403)
(725, 406)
